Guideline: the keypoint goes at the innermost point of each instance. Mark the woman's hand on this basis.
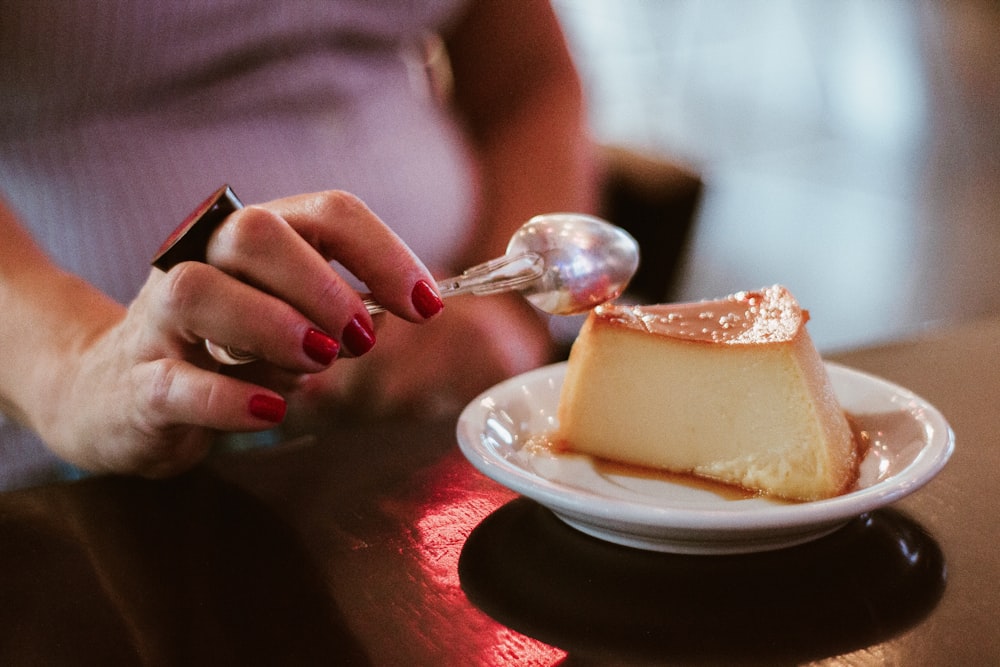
(137, 392)
(434, 370)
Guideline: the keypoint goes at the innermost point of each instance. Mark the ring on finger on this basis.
(228, 355)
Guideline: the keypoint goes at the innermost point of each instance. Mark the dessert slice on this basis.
(731, 390)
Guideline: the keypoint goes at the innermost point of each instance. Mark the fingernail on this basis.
(358, 337)
(426, 300)
(320, 347)
(268, 408)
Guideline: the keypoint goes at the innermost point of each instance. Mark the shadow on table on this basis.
(869, 581)
(185, 571)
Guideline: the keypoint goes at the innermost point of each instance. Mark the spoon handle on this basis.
(502, 274)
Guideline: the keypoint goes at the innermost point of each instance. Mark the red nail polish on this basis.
(358, 337)
(426, 300)
(269, 408)
(320, 347)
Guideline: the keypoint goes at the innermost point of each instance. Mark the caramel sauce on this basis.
(548, 444)
(691, 481)
(862, 445)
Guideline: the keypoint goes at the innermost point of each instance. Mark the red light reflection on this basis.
(441, 531)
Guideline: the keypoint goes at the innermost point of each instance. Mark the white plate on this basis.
(910, 443)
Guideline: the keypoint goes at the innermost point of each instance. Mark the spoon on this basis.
(562, 263)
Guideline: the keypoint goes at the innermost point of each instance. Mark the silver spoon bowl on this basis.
(563, 263)
(585, 260)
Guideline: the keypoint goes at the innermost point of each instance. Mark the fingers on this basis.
(284, 249)
(259, 248)
(268, 289)
(176, 392)
(340, 226)
(196, 302)
(173, 404)
(153, 415)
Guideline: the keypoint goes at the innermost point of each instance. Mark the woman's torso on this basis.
(116, 118)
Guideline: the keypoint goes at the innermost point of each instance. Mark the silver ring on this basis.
(228, 355)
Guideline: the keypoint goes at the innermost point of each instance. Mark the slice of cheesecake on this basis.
(731, 390)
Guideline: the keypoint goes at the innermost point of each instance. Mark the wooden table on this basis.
(381, 545)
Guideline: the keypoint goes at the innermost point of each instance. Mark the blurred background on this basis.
(849, 149)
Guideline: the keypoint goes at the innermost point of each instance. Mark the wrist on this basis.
(49, 352)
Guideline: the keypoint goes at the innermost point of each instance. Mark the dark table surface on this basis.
(382, 545)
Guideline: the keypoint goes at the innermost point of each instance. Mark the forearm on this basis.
(48, 315)
(535, 162)
(520, 98)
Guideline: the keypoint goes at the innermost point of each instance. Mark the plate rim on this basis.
(937, 449)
